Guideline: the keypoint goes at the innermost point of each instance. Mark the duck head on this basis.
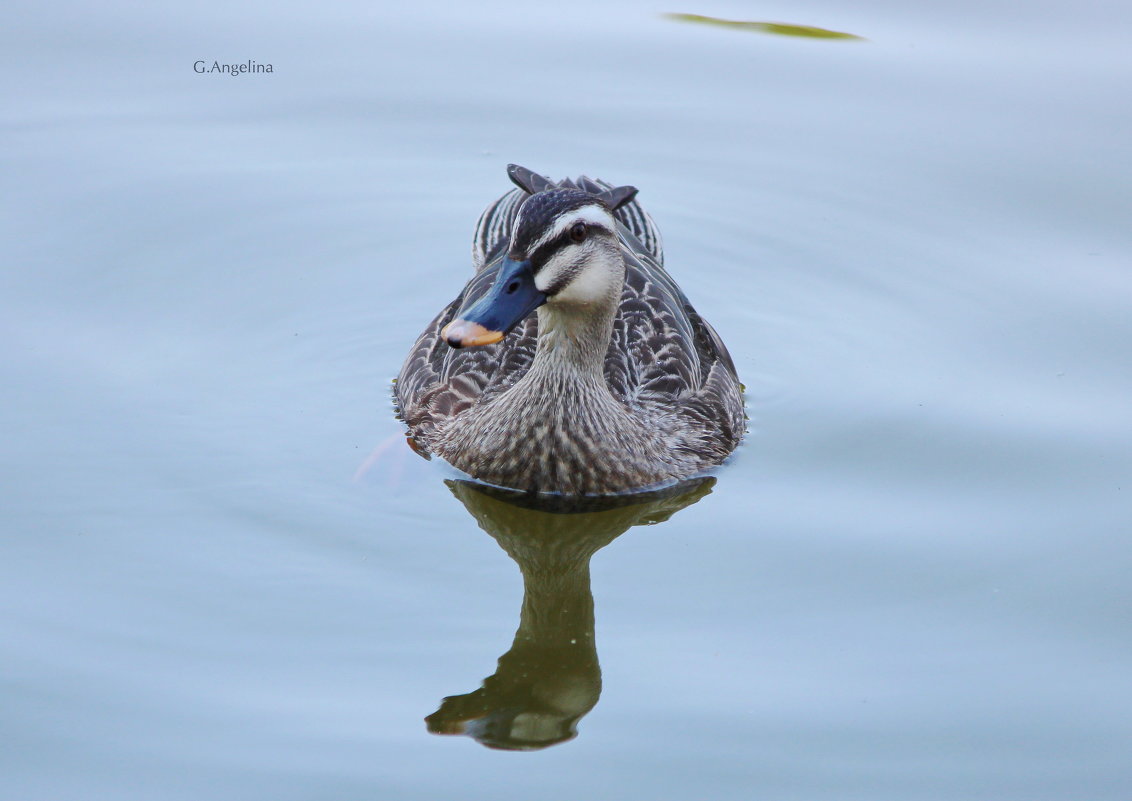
(563, 252)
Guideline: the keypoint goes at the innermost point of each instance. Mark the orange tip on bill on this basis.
(466, 334)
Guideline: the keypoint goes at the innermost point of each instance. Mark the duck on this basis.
(571, 363)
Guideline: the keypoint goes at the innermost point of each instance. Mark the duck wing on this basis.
(663, 354)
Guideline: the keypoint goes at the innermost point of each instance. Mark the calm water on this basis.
(223, 577)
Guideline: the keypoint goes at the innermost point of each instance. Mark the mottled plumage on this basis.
(619, 398)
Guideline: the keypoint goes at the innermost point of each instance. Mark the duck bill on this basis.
(511, 298)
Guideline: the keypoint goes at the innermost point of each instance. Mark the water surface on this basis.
(909, 583)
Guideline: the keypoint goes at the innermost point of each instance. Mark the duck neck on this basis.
(572, 342)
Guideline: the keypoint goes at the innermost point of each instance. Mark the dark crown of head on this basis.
(542, 209)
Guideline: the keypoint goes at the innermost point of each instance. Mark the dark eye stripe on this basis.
(543, 253)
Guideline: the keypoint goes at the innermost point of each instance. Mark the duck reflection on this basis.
(550, 677)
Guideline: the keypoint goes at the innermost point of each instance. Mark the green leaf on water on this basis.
(778, 28)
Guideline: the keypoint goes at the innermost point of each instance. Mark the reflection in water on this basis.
(550, 678)
(778, 28)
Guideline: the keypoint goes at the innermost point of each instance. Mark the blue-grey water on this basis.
(224, 576)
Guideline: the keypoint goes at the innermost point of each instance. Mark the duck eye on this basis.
(578, 232)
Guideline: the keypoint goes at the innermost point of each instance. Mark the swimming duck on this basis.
(614, 384)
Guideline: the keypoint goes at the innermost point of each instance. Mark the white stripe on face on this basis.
(594, 214)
